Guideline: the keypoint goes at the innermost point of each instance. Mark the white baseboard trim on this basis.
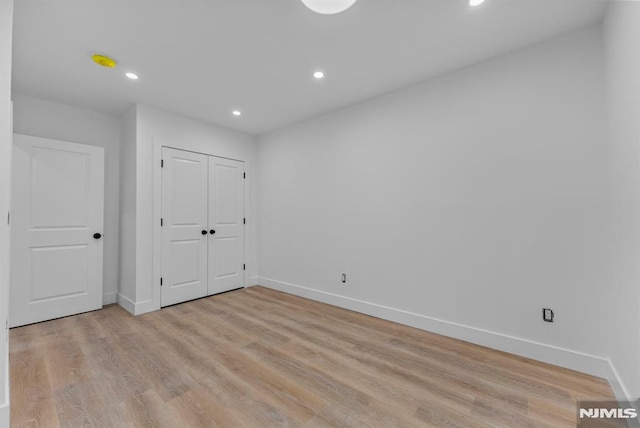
(127, 304)
(5, 408)
(253, 280)
(567, 358)
(146, 306)
(109, 298)
(138, 308)
(617, 385)
(4, 415)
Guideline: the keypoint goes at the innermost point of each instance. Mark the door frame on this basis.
(158, 144)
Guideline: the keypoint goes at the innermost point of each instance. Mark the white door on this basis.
(226, 220)
(184, 226)
(57, 220)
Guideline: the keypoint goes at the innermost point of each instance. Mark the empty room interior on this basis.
(306, 213)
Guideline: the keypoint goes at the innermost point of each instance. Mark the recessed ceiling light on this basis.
(318, 74)
(132, 76)
(328, 7)
(475, 2)
(236, 113)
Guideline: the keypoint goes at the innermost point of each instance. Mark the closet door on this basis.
(184, 225)
(226, 225)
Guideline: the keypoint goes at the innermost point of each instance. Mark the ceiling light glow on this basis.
(318, 74)
(475, 2)
(132, 76)
(328, 7)
(236, 113)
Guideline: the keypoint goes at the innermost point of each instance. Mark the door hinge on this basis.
(244, 175)
(161, 222)
(160, 280)
(161, 163)
(244, 220)
(244, 267)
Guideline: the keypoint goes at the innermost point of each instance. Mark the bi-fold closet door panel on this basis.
(184, 218)
(202, 225)
(226, 219)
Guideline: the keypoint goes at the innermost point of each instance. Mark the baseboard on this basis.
(146, 306)
(253, 280)
(538, 351)
(127, 304)
(5, 384)
(5, 407)
(109, 298)
(617, 385)
(4, 415)
(134, 308)
(621, 392)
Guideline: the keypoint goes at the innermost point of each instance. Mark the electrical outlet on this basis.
(547, 315)
(343, 278)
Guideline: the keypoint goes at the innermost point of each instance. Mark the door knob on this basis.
(204, 232)
(212, 231)
(97, 236)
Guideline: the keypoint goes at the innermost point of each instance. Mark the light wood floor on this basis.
(257, 358)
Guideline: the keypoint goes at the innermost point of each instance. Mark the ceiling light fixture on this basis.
(236, 113)
(475, 2)
(328, 7)
(318, 75)
(104, 60)
(132, 76)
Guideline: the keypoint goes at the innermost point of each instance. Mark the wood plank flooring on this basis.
(258, 358)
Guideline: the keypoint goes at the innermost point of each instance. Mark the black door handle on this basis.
(204, 232)
(97, 236)
(212, 231)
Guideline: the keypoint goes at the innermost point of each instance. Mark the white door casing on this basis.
(226, 218)
(58, 198)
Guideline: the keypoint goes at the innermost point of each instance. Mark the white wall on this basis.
(622, 60)
(127, 290)
(155, 128)
(473, 199)
(6, 24)
(42, 118)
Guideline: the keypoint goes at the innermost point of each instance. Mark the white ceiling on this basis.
(204, 58)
